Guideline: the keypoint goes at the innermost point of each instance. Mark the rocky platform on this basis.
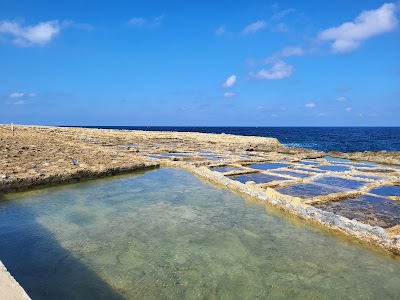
(356, 193)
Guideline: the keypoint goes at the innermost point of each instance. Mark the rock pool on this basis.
(165, 234)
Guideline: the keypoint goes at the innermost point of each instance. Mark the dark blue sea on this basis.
(343, 139)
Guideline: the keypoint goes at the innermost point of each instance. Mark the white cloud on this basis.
(342, 99)
(350, 35)
(220, 30)
(28, 36)
(279, 70)
(16, 95)
(310, 105)
(254, 27)
(349, 109)
(229, 95)
(143, 22)
(20, 102)
(321, 114)
(230, 82)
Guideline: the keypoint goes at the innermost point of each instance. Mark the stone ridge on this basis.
(35, 156)
(9, 287)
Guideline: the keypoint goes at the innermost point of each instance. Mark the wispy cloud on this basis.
(348, 109)
(350, 35)
(280, 14)
(29, 36)
(137, 21)
(342, 99)
(310, 105)
(254, 27)
(146, 23)
(221, 30)
(278, 70)
(229, 95)
(230, 81)
(16, 95)
(291, 51)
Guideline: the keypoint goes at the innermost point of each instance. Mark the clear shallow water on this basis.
(308, 190)
(387, 191)
(343, 139)
(224, 169)
(267, 166)
(257, 178)
(341, 182)
(334, 168)
(167, 235)
(367, 209)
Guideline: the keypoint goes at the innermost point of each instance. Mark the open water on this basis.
(343, 139)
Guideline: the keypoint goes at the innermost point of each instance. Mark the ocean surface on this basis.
(343, 139)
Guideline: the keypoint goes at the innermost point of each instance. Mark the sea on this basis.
(342, 139)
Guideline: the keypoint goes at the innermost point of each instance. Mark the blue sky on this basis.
(200, 63)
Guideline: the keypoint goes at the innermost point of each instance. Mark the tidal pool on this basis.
(165, 234)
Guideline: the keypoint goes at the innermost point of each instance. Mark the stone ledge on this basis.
(9, 287)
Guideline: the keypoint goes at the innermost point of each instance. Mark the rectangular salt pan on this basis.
(268, 166)
(257, 178)
(334, 168)
(375, 211)
(224, 169)
(307, 190)
(341, 182)
(387, 191)
(291, 173)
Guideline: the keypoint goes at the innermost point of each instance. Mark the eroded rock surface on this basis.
(309, 183)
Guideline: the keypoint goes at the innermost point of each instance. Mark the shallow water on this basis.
(341, 182)
(308, 190)
(387, 191)
(224, 169)
(368, 209)
(291, 173)
(336, 168)
(257, 178)
(165, 234)
(268, 166)
(336, 160)
(309, 162)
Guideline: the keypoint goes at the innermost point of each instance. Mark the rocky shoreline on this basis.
(38, 156)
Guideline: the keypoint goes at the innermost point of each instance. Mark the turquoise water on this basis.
(165, 234)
